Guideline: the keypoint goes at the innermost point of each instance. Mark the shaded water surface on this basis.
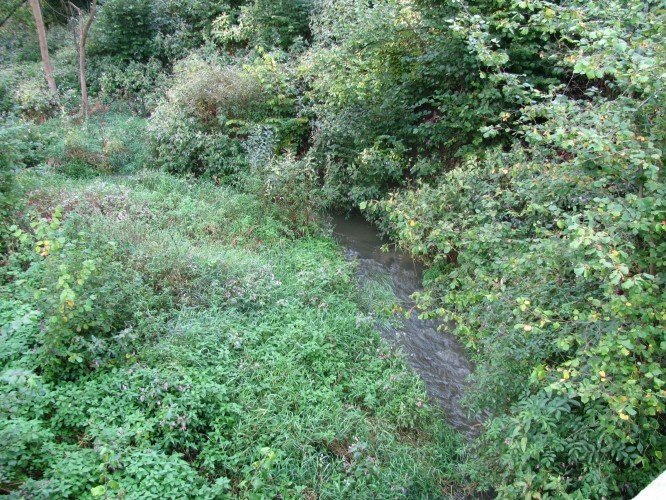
(435, 355)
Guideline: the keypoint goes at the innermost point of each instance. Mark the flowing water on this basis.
(434, 354)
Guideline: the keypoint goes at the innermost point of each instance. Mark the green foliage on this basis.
(263, 23)
(21, 148)
(553, 279)
(192, 129)
(223, 357)
(34, 99)
(85, 297)
(6, 184)
(211, 108)
(220, 343)
(110, 143)
(407, 79)
(537, 249)
(289, 184)
(547, 256)
(23, 91)
(124, 29)
(23, 88)
(15, 46)
(169, 29)
(138, 84)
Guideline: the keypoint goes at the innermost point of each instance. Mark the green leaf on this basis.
(98, 491)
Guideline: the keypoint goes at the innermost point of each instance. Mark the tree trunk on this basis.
(43, 47)
(83, 36)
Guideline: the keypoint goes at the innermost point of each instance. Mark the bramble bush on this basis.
(548, 256)
(192, 129)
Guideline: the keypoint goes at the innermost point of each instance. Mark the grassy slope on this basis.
(252, 367)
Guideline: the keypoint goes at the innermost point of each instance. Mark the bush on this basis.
(183, 27)
(6, 195)
(138, 84)
(213, 93)
(263, 23)
(546, 256)
(288, 184)
(22, 147)
(87, 299)
(195, 129)
(8, 81)
(212, 109)
(182, 145)
(108, 142)
(123, 29)
(35, 100)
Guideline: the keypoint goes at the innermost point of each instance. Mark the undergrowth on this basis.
(165, 337)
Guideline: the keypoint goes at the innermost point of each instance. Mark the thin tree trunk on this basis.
(83, 36)
(43, 47)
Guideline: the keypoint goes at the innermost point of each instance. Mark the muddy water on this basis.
(435, 355)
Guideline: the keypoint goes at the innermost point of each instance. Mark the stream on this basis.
(436, 356)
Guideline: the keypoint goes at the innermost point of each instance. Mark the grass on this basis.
(248, 365)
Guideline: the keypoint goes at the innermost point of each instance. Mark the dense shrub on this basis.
(212, 92)
(110, 143)
(6, 185)
(549, 264)
(123, 29)
(8, 80)
(15, 47)
(211, 108)
(283, 181)
(264, 23)
(35, 100)
(408, 82)
(184, 26)
(547, 256)
(21, 147)
(115, 143)
(86, 298)
(23, 91)
(139, 84)
(169, 29)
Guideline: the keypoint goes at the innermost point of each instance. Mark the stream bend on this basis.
(436, 356)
